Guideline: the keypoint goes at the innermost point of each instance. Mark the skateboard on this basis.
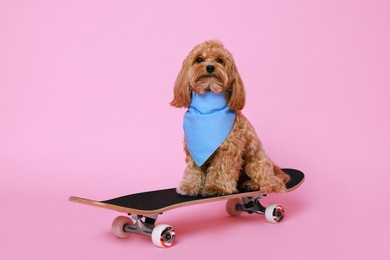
(144, 209)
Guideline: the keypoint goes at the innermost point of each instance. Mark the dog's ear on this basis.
(181, 90)
(237, 90)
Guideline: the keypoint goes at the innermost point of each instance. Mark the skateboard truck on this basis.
(162, 235)
(142, 226)
(274, 213)
(252, 205)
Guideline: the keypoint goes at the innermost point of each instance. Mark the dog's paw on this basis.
(187, 190)
(265, 188)
(250, 186)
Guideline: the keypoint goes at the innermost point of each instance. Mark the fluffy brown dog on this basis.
(240, 162)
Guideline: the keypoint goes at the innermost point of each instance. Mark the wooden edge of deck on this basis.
(156, 211)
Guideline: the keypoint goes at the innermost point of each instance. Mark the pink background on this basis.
(85, 88)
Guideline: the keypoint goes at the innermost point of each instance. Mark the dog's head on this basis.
(209, 67)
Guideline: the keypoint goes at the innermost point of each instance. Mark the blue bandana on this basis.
(207, 123)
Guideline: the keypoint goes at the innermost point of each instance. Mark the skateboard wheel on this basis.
(118, 225)
(274, 213)
(163, 235)
(232, 207)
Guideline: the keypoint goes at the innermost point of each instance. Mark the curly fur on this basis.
(240, 163)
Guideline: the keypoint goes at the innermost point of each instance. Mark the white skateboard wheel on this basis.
(117, 227)
(274, 213)
(163, 235)
(232, 207)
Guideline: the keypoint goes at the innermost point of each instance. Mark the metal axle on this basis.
(252, 205)
(143, 225)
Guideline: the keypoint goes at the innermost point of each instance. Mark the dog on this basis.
(209, 83)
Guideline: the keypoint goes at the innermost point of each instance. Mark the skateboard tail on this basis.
(104, 205)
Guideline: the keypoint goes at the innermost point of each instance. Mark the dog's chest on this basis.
(207, 123)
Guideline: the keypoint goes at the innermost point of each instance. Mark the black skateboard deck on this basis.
(145, 207)
(159, 201)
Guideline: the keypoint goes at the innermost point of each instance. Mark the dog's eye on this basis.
(199, 60)
(220, 61)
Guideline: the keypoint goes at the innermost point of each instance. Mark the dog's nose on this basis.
(210, 68)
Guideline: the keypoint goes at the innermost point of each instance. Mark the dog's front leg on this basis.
(193, 179)
(223, 172)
